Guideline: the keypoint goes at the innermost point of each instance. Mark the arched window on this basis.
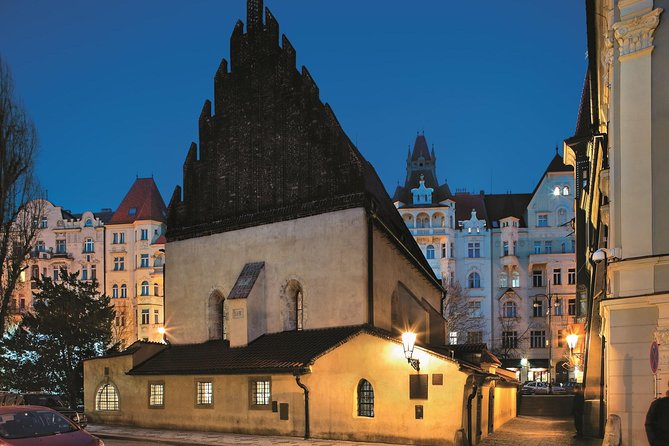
(515, 279)
(145, 288)
(292, 308)
(430, 252)
(509, 309)
(565, 190)
(423, 221)
(115, 291)
(124, 290)
(556, 191)
(88, 223)
(474, 280)
(216, 316)
(365, 399)
(156, 289)
(106, 398)
(503, 280)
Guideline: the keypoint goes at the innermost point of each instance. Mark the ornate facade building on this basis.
(511, 253)
(620, 159)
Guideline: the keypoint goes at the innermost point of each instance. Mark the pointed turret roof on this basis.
(420, 149)
(142, 202)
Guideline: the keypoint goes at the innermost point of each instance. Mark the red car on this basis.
(41, 426)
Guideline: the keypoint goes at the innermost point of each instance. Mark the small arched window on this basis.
(474, 280)
(515, 279)
(556, 191)
(565, 190)
(156, 289)
(145, 288)
(365, 399)
(509, 309)
(124, 290)
(430, 252)
(115, 291)
(106, 398)
(88, 223)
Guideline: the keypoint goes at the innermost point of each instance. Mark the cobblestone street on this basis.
(538, 431)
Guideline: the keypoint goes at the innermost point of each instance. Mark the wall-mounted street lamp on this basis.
(409, 342)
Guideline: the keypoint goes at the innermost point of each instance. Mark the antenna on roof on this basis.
(556, 149)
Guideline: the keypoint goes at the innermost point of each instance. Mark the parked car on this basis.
(571, 386)
(46, 400)
(534, 388)
(558, 389)
(31, 425)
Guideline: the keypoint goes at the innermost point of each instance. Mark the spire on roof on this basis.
(420, 149)
(254, 14)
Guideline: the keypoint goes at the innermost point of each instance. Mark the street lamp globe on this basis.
(599, 255)
(572, 340)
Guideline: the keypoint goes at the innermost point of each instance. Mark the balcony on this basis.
(47, 254)
(157, 270)
(427, 231)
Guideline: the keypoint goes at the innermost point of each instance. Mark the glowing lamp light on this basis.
(161, 330)
(572, 340)
(523, 362)
(409, 342)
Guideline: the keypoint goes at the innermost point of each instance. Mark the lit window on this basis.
(474, 280)
(556, 191)
(365, 399)
(503, 280)
(565, 190)
(453, 337)
(261, 393)
(145, 288)
(515, 279)
(204, 393)
(430, 252)
(156, 394)
(106, 398)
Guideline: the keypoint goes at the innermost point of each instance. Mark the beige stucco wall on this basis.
(390, 268)
(326, 253)
(333, 406)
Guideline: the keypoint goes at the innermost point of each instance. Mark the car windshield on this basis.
(33, 423)
(44, 400)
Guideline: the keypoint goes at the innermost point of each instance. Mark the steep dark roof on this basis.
(465, 202)
(277, 352)
(104, 216)
(142, 202)
(583, 125)
(420, 149)
(556, 165)
(500, 206)
(247, 278)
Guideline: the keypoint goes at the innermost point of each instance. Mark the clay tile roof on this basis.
(160, 240)
(420, 149)
(277, 352)
(142, 202)
(247, 278)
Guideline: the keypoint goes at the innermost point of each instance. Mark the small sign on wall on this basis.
(238, 313)
(419, 412)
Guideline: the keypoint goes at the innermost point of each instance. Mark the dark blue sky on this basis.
(116, 87)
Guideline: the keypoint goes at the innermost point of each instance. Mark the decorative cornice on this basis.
(637, 34)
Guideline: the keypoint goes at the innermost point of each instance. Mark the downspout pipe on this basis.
(306, 404)
(470, 398)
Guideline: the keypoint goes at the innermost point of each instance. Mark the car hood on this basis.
(76, 438)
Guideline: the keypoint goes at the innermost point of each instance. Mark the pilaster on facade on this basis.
(635, 35)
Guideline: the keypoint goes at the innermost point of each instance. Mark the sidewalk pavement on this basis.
(528, 431)
(197, 438)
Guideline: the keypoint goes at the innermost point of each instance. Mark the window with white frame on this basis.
(453, 337)
(538, 308)
(144, 288)
(556, 191)
(515, 279)
(571, 276)
(474, 337)
(430, 252)
(115, 291)
(143, 234)
(509, 309)
(40, 246)
(537, 278)
(510, 339)
(119, 263)
(475, 309)
(557, 276)
(89, 245)
(124, 290)
(537, 247)
(474, 280)
(542, 220)
(473, 250)
(61, 247)
(503, 280)
(145, 316)
(565, 190)
(144, 261)
(537, 338)
(548, 246)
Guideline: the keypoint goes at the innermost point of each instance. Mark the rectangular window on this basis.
(156, 313)
(40, 246)
(156, 395)
(538, 339)
(144, 234)
(560, 338)
(84, 273)
(115, 238)
(475, 309)
(548, 247)
(473, 250)
(572, 307)
(260, 393)
(505, 248)
(542, 220)
(510, 339)
(571, 276)
(557, 276)
(61, 248)
(119, 263)
(204, 393)
(557, 307)
(443, 250)
(537, 247)
(93, 272)
(45, 223)
(121, 237)
(145, 316)
(452, 251)
(538, 308)
(537, 278)
(144, 261)
(474, 337)
(453, 337)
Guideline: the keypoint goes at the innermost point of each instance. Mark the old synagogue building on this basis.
(265, 334)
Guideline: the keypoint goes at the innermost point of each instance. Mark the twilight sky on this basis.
(116, 87)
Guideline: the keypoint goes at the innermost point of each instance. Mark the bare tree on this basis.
(511, 345)
(461, 317)
(20, 208)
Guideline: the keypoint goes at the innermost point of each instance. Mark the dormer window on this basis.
(422, 194)
(88, 223)
(132, 211)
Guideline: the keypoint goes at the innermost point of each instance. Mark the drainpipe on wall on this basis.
(469, 414)
(298, 374)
